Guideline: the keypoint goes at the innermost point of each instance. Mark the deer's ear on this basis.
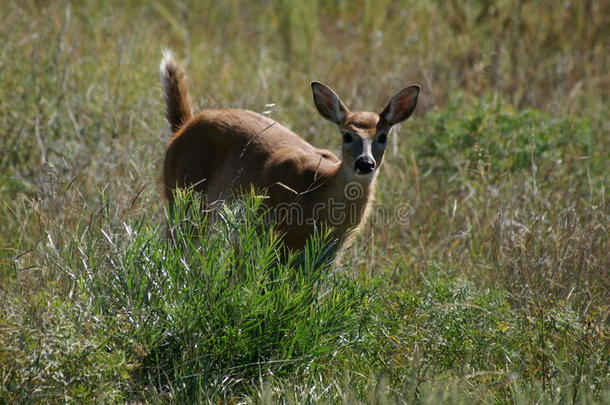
(401, 106)
(327, 102)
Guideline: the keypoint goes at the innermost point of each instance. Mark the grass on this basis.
(482, 277)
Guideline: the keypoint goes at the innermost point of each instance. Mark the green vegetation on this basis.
(492, 287)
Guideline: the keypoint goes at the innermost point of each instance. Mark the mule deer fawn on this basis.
(221, 153)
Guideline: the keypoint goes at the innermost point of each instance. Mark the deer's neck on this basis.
(350, 193)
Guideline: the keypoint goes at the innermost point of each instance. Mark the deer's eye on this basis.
(382, 138)
(347, 138)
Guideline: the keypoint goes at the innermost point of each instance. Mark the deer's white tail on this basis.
(177, 101)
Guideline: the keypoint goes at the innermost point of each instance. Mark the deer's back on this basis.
(220, 151)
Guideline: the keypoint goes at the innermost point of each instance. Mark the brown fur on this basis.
(223, 152)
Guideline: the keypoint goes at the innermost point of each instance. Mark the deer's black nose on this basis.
(364, 165)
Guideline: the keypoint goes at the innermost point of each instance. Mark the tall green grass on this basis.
(217, 305)
(215, 312)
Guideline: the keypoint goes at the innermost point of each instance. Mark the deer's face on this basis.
(364, 134)
(363, 142)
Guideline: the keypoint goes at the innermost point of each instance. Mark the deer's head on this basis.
(364, 134)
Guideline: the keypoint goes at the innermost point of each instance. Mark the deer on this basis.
(220, 153)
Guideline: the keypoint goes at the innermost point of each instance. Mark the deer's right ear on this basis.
(327, 102)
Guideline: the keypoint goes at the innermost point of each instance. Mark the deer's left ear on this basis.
(401, 106)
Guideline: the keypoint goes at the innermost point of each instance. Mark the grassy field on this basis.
(494, 286)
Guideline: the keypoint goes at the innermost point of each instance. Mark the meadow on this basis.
(492, 288)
